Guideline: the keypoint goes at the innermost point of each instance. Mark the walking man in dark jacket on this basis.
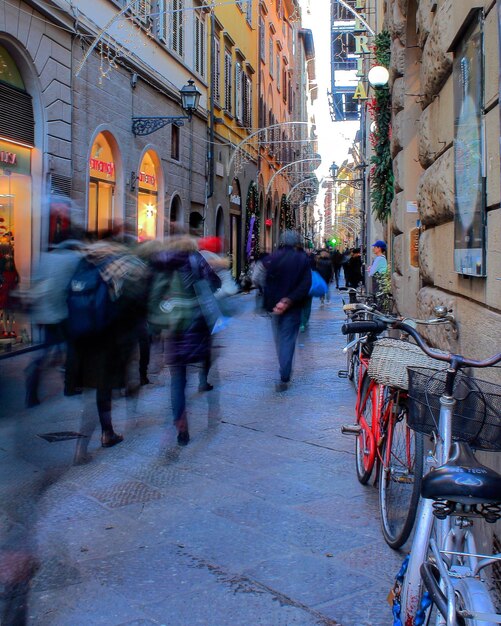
(288, 281)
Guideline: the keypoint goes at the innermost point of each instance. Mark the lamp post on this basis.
(190, 97)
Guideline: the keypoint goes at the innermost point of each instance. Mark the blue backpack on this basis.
(91, 311)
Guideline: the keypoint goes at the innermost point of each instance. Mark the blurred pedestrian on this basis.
(188, 337)
(353, 269)
(337, 264)
(306, 309)
(324, 268)
(211, 249)
(99, 359)
(288, 281)
(50, 310)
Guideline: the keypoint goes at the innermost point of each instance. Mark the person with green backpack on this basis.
(181, 306)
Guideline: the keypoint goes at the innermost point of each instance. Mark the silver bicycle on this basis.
(446, 580)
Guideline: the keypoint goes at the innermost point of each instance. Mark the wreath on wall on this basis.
(382, 179)
(252, 226)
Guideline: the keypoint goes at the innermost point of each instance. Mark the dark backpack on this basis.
(91, 310)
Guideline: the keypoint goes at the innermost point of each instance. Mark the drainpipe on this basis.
(210, 151)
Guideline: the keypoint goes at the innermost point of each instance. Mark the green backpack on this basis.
(172, 306)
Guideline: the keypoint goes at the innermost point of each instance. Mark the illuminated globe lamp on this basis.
(378, 76)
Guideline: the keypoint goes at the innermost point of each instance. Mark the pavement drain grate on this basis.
(62, 436)
(129, 492)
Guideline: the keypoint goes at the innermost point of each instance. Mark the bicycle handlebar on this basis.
(366, 326)
(455, 359)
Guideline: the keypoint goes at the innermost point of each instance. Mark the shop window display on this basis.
(101, 187)
(147, 200)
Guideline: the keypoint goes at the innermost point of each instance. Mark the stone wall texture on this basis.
(424, 20)
(435, 193)
(436, 61)
(436, 126)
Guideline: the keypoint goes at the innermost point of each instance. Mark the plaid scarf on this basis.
(115, 264)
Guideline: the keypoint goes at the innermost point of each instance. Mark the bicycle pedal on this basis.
(351, 429)
(342, 374)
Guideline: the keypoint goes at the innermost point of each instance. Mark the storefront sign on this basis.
(147, 179)
(103, 167)
(10, 158)
(14, 158)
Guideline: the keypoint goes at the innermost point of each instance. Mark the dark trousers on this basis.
(177, 391)
(285, 331)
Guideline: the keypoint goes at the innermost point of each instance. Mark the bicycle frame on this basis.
(412, 588)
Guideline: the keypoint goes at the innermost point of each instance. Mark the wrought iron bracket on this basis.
(355, 183)
(150, 124)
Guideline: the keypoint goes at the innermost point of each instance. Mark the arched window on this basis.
(147, 197)
(102, 178)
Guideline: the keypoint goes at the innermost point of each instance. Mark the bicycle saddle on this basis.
(462, 479)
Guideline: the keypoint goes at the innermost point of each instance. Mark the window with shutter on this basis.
(176, 26)
(228, 66)
(271, 56)
(142, 10)
(217, 71)
(200, 44)
(238, 91)
(278, 71)
(247, 101)
(249, 12)
(162, 21)
(262, 40)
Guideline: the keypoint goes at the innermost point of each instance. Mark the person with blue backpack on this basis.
(106, 298)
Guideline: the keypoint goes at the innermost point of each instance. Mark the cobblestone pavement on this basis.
(260, 520)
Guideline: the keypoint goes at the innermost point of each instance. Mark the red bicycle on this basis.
(383, 438)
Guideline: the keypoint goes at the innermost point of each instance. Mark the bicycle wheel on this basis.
(400, 476)
(365, 449)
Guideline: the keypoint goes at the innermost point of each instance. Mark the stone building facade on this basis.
(425, 37)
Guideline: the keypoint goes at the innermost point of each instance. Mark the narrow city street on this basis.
(259, 520)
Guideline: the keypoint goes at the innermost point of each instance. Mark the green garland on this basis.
(382, 179)
(287, 218)
(251, 206)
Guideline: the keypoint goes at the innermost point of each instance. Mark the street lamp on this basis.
(357, 183)
(378, 76)
(190, 97)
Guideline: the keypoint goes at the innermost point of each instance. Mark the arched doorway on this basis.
(147, 197)
(17, 228)
(235, 228)
(101, 216)
(220, 222)
(175, 214)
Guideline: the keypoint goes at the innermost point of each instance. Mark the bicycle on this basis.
(442, 581)
(383, 438)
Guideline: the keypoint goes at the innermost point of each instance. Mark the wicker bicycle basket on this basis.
(390, 359)
(477, 413)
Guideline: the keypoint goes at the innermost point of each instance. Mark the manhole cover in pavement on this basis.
(126, 493)
(62, 436)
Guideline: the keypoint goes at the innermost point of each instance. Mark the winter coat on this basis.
(193, 344)
(50, 288)
(101, 361)
(324, 268)
(288, 275)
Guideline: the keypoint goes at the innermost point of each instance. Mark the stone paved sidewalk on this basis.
(260, 520)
